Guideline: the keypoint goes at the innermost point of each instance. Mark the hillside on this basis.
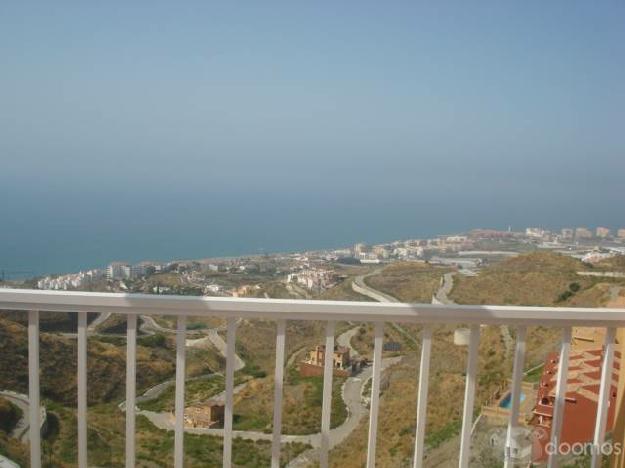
(9, 416)
(534, 279)
(408, 281)
(616, 263)
(106, 365)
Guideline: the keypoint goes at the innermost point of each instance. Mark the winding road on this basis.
(359, 286)
(442, 294)
(351, 392)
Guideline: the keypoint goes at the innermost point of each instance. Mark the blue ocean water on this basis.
(65, 230)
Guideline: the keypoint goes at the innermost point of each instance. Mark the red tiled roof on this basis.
(582, 394)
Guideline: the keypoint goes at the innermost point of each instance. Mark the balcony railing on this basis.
(232, 309)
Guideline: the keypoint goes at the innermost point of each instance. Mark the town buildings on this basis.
(70, 281)
(122, 270)
(118, 270)
(534, 232)
(602, 232)
(314, 279)
(596, 256)
(583, 233)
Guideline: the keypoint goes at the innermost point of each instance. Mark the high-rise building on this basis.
(621, 233)
(603, 232)
(360, 249)
(118, 270)
(583, 233)
(567, 233)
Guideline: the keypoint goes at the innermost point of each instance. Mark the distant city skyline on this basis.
(617, 233)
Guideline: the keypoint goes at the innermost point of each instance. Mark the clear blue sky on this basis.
(428, 116)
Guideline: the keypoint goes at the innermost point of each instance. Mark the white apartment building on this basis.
(313, 278)
(534, 232)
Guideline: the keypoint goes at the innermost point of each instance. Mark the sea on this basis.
(42, 235)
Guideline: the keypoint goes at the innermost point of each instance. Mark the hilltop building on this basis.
(344, 365)
(208, 415)
(317, 356)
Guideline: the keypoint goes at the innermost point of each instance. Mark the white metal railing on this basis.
(329, 311)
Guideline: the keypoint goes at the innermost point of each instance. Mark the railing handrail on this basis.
(292, 309)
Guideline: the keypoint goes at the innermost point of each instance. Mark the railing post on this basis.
(34, 415)
(375, 392)
(604, 397)
(326, 410)
(180, 376)
(131, 384)
(277, 397)
(422, 395)
(82, 390)
(515, 395)
(558, 407)
(469, 398)
(230, 347)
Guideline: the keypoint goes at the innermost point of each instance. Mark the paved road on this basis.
(359, 286)
(214, 338)
(356, 410)
(350, 392)
(100, 319)
(442, 294)
(345, 339)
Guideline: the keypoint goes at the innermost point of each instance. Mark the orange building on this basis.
(210, 414)
(316, 357)
(581, 398)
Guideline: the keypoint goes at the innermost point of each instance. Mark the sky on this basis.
(149, 129)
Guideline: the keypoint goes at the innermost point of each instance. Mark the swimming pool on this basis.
(506, 402)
